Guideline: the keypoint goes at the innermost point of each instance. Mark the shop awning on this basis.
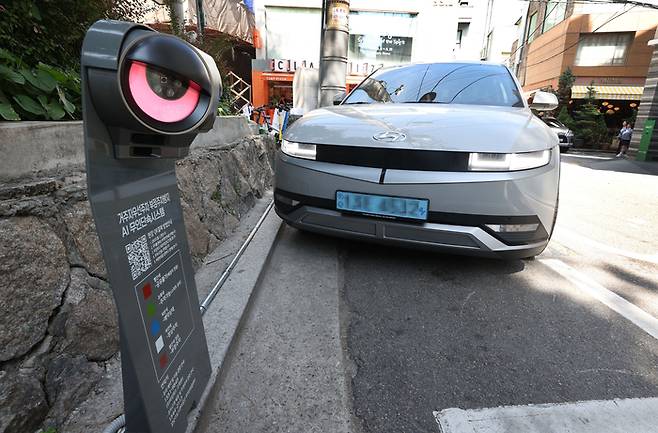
(624, 93)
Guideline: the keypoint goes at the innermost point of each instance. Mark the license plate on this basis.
(394, 207)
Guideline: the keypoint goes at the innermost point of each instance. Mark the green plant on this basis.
(36, 93)
(566, 118)
(51, 31)
(565, 82)
(227, 103)
(589, 123)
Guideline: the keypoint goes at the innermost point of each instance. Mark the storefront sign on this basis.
(287, 65)
(355, 68)
(613, 81)
(381, 48)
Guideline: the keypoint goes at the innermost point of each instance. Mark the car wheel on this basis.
(564, 149)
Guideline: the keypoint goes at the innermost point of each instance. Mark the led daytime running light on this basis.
(298, 150)
(508, 161)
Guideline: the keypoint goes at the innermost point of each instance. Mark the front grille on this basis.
(400, 159)
(287, 202)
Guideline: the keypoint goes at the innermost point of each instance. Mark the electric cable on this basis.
(116, 426)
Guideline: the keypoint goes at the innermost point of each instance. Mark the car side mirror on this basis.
(338, 98)
(543, 101)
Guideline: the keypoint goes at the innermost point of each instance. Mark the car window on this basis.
(444, 83)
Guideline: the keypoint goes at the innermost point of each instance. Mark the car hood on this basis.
(451, 127)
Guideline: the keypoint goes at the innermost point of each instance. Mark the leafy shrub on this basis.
(37, 93)
(589, 125)
(51, 31)
(566, 118)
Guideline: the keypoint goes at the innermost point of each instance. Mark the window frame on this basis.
(559, 4)
(532, 33)
(630, 36)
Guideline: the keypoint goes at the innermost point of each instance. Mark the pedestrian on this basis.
(625, 135)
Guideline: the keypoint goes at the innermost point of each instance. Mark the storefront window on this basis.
(381, 37)
(280, 93)
(286, 27)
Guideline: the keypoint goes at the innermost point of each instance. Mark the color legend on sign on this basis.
(166, 313)
(147, 291)
(164, 360)
(155, 328)
(159, 344)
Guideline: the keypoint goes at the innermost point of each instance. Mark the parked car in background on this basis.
(564, 134)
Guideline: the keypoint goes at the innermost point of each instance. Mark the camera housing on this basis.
(152, 92)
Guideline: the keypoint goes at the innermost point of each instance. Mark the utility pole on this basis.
(200, 19)
(177, 11)
(333, 55)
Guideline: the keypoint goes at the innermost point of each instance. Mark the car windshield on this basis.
(442, 83)
(553, 123)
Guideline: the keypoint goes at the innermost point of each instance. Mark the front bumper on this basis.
(565, 140)
(461, 205)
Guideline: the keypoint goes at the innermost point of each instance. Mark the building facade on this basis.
(382, 33)
(502, 26)
(604, 45)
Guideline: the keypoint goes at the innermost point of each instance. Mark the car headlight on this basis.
(298, 150)
(508, 161)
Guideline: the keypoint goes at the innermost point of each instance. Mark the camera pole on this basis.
(146, 95)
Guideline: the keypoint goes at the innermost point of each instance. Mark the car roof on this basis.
(456, 62)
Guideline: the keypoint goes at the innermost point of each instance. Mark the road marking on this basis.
(635, 415)
(566, 237)
(604, 158)
(635, 314)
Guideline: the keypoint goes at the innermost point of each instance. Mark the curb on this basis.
(223, 319)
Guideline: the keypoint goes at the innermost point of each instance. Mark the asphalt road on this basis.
(345, 336)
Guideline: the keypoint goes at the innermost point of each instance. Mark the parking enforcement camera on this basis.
(152, 91)
(145, 96)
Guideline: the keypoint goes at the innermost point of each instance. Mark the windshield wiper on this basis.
(425, 102)
(356, 103)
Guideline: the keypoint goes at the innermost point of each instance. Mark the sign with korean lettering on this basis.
(380, 49)
(141, 229)
(338, 15)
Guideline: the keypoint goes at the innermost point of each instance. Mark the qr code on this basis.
(139, 257)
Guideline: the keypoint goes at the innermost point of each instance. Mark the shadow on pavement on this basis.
(608, 162)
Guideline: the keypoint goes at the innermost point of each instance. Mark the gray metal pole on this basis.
(323, 24)
(333, 58)
(177, 8)
(200, 19)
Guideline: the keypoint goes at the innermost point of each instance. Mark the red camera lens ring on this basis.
(156, 107)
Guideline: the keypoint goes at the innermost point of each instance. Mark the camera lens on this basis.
(161, 95)
(164, 84)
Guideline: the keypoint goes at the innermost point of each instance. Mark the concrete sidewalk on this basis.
(286, 373)
(608, 161)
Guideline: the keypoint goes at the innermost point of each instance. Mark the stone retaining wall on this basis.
(58, 324)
